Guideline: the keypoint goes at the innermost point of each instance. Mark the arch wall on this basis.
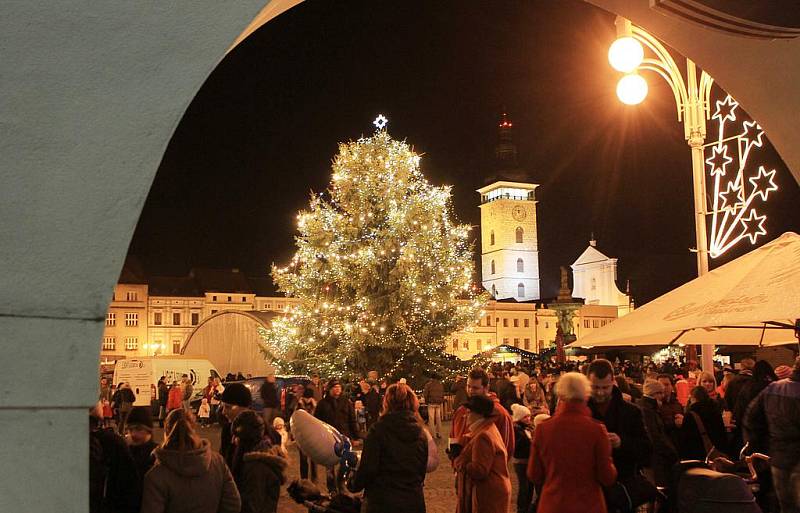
(92, 92)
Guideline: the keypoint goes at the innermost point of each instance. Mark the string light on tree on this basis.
(734, 217)
(382, 272)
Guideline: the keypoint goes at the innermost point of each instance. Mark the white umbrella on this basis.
(753, 300)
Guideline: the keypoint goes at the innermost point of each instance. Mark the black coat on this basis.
(690, 442)
(392, 468)
(772, 422)
(625, 419)
(339, 413)
(664, 453)
(112, 474)
(269, 395)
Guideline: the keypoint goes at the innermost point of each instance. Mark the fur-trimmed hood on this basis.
(271, 458)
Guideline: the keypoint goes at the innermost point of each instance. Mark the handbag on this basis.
(629, 493)
(712, 453)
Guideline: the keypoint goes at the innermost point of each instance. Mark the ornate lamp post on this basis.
(693, 106)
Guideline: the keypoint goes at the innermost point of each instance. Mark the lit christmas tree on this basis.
(382, 273)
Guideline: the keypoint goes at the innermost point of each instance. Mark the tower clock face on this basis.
(518, 213)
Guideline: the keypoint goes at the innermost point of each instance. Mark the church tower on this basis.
(509, 236)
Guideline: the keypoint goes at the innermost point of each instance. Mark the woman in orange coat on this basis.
(174, 397)
(482, 481)
(570, 459)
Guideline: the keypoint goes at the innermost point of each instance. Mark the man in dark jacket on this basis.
(736, 384)
(433, 393)
(337, 410)
(772, 423)
(664, 453)
(270, 400)
(630, 444)
(235, 399)
(370, 400)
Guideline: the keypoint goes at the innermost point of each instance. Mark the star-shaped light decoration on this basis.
(725, 109)
(729, 197)
(380, 122)
(753, 221)
(763, 183)
(752, 134)
(718, 160)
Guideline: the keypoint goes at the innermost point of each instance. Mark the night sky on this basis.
(264, 127)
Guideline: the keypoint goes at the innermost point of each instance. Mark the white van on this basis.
(143, 373)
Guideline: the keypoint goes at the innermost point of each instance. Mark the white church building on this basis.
(594, 278)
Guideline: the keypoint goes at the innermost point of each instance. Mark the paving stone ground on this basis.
(439, 485)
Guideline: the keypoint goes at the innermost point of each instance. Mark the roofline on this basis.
(518, 185)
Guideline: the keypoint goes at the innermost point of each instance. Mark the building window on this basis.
(516, 323)
(494, 290)
(527, 323)
(213, 298)
(519, 234)
(109, 343)
(516, 342)
(520, 290)
(546, 325)
(586, 323)
(229, 299)
(269, 306)
(478, 345)
(505, 341)
(111, 319)
(132, 296)
(279, 306)
(603, 322)
(214, 311)
(527, 344)
(594, 283)
(455, 344)
(131, 343)
(488, 320)
(505, 322)
(466, 345)
(176, 347)
(493, 269)
(541, 344)
(131, 319)
(491, 238)
(157, 318)
(244, 299)
(520, 266)
(195, 318)
(176, 319)
(595, 323)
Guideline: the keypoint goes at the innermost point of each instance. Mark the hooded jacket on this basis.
(393, 464)
(262, 474)
(193, 481)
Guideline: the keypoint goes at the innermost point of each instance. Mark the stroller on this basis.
(718, 485)
(309, 495)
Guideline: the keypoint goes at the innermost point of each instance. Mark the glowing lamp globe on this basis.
(631, 89)
(625, 54)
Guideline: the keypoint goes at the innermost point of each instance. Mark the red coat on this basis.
(571, 458)
(174, 398)
(503, 421)
(482, 480)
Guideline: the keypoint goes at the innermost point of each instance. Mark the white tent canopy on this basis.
(753, 300)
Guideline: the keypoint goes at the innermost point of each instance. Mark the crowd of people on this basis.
(597, 436)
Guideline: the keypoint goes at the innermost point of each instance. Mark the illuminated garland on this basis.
(382, 273)
(734, 215)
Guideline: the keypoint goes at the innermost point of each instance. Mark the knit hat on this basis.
(237, 394)
(783, 371)
(652, 387)
(140, 416)
(540, 418)
(519, 412)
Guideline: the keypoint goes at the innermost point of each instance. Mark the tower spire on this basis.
(506, 151)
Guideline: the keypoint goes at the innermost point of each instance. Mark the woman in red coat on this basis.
(570, 459)
(482, 481)
(174, 397)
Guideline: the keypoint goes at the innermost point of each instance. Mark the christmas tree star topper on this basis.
(380, 122)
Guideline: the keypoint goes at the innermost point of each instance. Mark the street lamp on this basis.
(627, 54)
